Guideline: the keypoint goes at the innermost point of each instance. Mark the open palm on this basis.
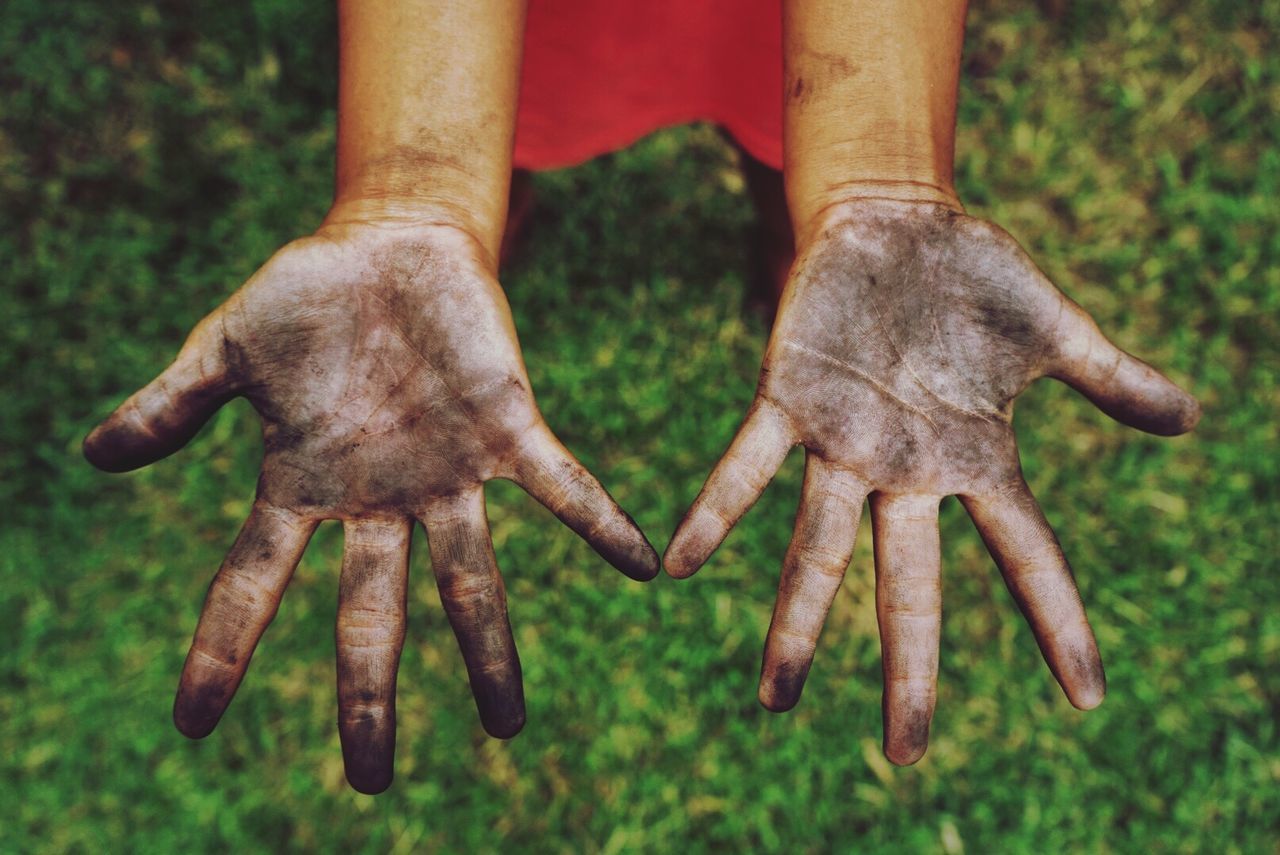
(904, 335)
(385, 367)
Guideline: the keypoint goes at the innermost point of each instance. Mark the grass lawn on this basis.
(152, 155)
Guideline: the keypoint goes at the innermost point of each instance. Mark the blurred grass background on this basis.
(152, 154)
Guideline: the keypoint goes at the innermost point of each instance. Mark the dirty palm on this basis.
(383, 362)
(904, 335)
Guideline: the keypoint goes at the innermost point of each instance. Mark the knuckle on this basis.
(911, 611)
(911, 604)
(568, 482)
(242, 588)
(604, 526)
(794, 641)
(748, 473)
(713, 518)
(365, 712)
(360, 627)
(912, 691)
(498, 663)
(821, 558)
(207, 660)
(469, 594)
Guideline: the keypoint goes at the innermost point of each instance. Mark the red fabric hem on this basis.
(761, 145)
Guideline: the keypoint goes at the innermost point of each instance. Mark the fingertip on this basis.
(641, 564)
(371, 785)
(904, 753)
(126, 440)
(783, 673)
(1187, 415)
(1166, 410)
(608, 529)
(737, 481)
(1088, 696)
(504, 724)
(1086, 683)
(160, 418)
(690, 547)
(500, 705)
(637, 561)
(193, 730)
(1088, 701)
(92, 452)
(368, 739)
(102, 448)
(369, 780)
(777, 705)
(678, 564)
(677, 567)
(906, 730)
(1193, 413)
(649, 573)
(629, 550)
(192, 721)
(778, 698)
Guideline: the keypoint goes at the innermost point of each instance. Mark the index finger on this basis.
(739, 478)
(547, 471)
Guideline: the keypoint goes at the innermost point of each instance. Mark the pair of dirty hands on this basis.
(384, 364)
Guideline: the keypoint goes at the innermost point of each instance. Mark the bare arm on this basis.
(870, 102)
(426, 112)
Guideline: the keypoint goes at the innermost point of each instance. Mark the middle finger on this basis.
(909, 609)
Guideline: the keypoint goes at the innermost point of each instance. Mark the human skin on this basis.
(905, 332)
(381, 356)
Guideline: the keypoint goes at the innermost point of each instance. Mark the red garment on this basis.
(600, 74)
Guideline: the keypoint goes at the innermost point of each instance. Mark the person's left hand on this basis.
(905, 333)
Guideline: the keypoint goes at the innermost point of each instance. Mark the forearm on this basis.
(870, 101)
(426, 111)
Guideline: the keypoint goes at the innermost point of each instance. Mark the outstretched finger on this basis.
(1122, 386)
(821, 546)
(161, 417)
(1027, 551)
(737, 481)
(241, 602)
(370, 636)
(548, 472)
(909, 610)
(475, 601)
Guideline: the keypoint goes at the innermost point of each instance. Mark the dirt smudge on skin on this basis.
(813, 71)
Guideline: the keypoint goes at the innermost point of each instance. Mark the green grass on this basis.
(151, 156)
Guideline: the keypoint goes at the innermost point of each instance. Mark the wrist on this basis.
(423, 187)
(813, 212)
(419, 211)
(903, 161)
(431, 219)
(870, 104)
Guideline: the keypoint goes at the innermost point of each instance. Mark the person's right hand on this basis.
(384, 364)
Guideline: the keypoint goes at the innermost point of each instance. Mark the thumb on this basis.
(161, 417)
(1121, 385)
